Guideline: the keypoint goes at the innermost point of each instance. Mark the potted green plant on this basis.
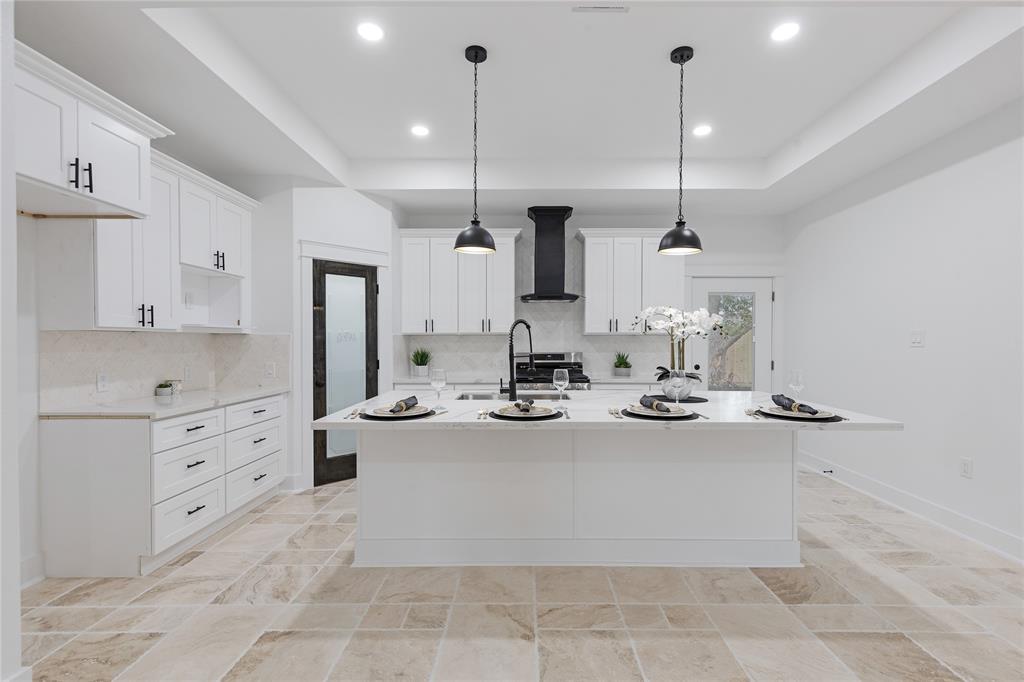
(420, 359)
(164, 388)
(623, 367)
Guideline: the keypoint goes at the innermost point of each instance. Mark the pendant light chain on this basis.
(682, 130)
(475, 96)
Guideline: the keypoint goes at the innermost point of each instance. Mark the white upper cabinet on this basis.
(161, 276)
(47, 139)
(501, 285)
(444, 287)
(623, 274)
(415, 286)
(472, 293)
(119, 275)
(113, 161)
(233, 222)
(198, 219)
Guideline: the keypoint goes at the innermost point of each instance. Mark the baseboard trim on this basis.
(23, 674)
(1006, 544)
(32, 570)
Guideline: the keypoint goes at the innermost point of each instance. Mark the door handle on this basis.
(195, 428)
(74, 181)
(609, 325)
(150, 316)
(259, 411)
(190, 513)
(216, 260)
(87, 169)
(424, 326)
(142, 315)
(259, 477)
(431, 325)
(258, 441)
(481, 325)
(222, 255)
(195, 464)
(488, 324)
(616, 324)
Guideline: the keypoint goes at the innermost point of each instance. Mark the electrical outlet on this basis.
(269, 370)
(917, 338)
(967, 467)
(102, 383)
(186, 373)
(188, 301)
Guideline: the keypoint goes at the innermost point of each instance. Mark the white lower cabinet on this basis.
(253, 442)
(177, 518)
(178, 470)
(249, 482)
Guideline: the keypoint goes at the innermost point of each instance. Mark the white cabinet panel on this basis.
(254, 411)
(626, 283)
(472, 294)
(252, 480)
(664, 277)
(171, 433)
(181, 469)
(232, 222)
(197, 210)
(118, 274)
(115, 160)
(598, 285)
(501, 285)
(47, 138)
(253, 442)
(444, 287)
(177, 518)
(415, 286)
(161, 273)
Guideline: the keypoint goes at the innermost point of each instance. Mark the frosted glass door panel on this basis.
(741, 358)
(345, 353)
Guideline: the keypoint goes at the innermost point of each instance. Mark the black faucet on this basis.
(512, 395)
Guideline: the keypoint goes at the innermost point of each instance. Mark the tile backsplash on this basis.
(134, 362)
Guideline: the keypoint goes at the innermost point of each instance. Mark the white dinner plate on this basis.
(780, 412)
(535, 412)
(411, 412)
(675, 411)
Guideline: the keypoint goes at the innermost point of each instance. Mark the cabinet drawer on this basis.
(252, 412)
(249, 444)
(180, 469)
(177, 518)
(253, 480)
(170, 433)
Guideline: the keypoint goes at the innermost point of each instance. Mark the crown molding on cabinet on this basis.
(425, 233)
(192, 175)
(43, 67)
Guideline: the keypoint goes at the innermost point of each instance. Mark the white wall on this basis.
(942, 254)
(28, 402)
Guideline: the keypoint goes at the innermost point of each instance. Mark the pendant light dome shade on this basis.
(680, 241)
(474, 239)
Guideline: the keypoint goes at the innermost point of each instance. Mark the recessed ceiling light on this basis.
(369, 31)
(786, 31)
(420, 131)
(702, 130)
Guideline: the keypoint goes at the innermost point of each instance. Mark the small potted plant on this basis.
(420, 359)
(623, 367)
(164, 389)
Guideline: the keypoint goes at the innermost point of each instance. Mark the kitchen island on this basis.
(587, 488)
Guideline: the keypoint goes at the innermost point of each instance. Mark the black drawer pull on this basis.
(87, 185)
(259, 477)
(74, 181)
(258, 441)
(195, 428)
(258, 411)
(190, 513)
(195, 464)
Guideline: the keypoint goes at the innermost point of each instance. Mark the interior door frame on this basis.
(329, 469)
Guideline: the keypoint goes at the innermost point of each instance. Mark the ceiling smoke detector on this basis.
(605, 9)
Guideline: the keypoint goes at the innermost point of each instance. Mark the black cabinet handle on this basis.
(258, 441)
(481, 324)
(424, 325)
(88, 169)
(195, 464)
(216, 260)
(616, 324)
(74, 181)
(150, 316)
(190, 513)
(223, 254)
(195, 428)
(609, 325)
(142, 315)
(431, 325)
(488, 324)
(259, 477)
(259, 411)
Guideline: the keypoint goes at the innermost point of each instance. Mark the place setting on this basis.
(651, 407)
(792, 410)
(405, 409)
(527, 410)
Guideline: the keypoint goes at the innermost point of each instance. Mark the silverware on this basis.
(351, 414)
(752, 413)
(615, 413)
(565, 411)
(702, 416)
(481, 414)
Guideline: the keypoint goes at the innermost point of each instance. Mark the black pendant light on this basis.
(475, 239)
(680, 240)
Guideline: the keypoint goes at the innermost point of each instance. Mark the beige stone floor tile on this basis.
(63, 618)
(225, 532)
(319, 617)
(175, 564)
(978, 558)
(426, 617)
(1006, 579)
(488, 642)
(496, 584)
(36, 647)
(343, 585)
(347, 517)
(576, 616)
(384, 616)
(105, 592)
(853, 519)
(95, 656)
(975, 657)
(284, 519)
(586, 655)
(811, 537)
(959, 587)
(909, 557)
(205, 646)
(805, 585)
(418, 584)
(679, 655)
(343, 557)
(267, 584)
(923, 535)
(264, 506)
(1006, 622)
(687, 617)
(177, 590)
(319, 536)
(651, 585)
(334, 516)
(928, 619)
(299, 504)
(299, 557)
(219, 565)
(841, 617)
(573, 584)
(388, 655)
(346, 502)
(293, 655)
(771, 643)
(47, 590)
(255, 536)
(884, 656)
(865, 537)
(728, 586)
(644, 616)
(870, 581)
(144, 619)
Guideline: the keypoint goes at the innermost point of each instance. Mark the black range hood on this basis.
(549, 254)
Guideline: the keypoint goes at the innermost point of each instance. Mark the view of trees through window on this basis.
(731, 357)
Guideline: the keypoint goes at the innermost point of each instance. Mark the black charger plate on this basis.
(690, 399)
(689, 417)
(378, 418)
(804, 420)
(543, 418)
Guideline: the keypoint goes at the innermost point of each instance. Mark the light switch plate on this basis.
(917, 338)
(967, 467)
(269, 370)
(102, 383)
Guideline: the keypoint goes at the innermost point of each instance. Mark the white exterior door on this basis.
(231, 222)
(118, 274)
(742, 359)
(444, 287)
(626, 282)
(198, 209)
(415, 286)
(472, 294)
(161, 273)
(501, 285)
(47, 139)
(115, 161)
(598, 260)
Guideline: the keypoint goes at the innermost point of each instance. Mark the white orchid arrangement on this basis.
(678, 324)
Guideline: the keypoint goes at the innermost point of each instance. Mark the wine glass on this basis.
(796, 382)
(438, 380)
(560, 379)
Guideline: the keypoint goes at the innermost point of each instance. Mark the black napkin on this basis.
(525, 405)
(791, 405)
(652, 404)
(403, 405)
(663, 373)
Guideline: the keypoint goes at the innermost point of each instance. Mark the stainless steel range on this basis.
(545, 365)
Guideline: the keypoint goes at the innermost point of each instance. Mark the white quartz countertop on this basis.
(154, 407)
(589, 409)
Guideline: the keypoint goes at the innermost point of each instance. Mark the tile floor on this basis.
(883, 595)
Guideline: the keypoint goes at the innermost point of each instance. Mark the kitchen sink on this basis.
(504, 396)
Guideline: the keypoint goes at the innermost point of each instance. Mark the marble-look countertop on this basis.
(455, 379)
(153, 407)
(589, 409)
